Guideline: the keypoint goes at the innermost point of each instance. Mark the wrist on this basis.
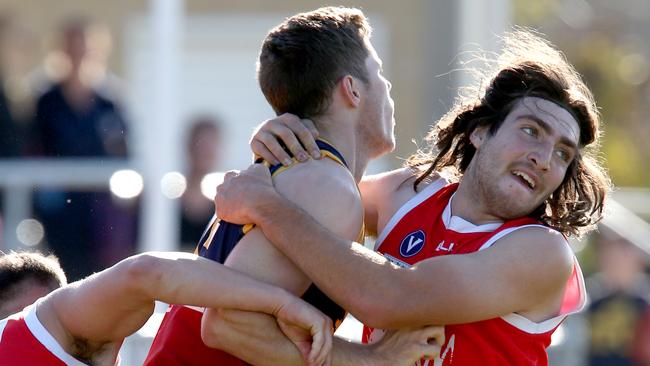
(373, 356)
(266, 210)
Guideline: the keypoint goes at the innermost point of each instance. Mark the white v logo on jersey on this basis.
(413, 241)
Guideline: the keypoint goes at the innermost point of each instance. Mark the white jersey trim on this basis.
(46, 339)
(413, 202)
(195, 308)
(507, 231)
(460, 225)
(520, 321)
(3, 324)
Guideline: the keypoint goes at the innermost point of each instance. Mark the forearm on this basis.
(179, 278)
(346, 353)
(257, 339)
(252, 337)
(353, 276)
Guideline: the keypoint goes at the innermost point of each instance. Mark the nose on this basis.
(541, 157)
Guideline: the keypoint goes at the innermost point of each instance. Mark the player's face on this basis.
(378, 123)
(521, 165)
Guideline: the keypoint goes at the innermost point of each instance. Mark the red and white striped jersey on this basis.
(424, 228)
(25, 341)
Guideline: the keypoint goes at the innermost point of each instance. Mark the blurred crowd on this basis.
(69, 107)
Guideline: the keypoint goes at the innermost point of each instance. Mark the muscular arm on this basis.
(518, 273)
(257, 339)
(112, 304)
(404, 347)
(325, 190)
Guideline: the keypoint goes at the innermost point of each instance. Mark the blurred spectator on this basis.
(9, 140)
(620, 301)
(10, 130)
(202, 153)
(76, 117)
(26, 277)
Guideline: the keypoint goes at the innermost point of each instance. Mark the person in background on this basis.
(202, 150)
(77, 117)
(620, 303)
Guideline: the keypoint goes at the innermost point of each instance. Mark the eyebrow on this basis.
(548, 129)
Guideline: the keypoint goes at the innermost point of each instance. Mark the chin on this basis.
(508, 205)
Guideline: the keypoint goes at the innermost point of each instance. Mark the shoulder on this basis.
(312, 176)
(541, 250)
(386, 193)
(390, 180)
(327, 191)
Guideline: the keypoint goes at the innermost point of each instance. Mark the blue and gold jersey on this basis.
(221, 237)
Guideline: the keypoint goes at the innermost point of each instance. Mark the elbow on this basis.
(143, 273)
(377, 311)
(213, 328)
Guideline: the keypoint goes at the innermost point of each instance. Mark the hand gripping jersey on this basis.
(423, 228)
(25, 341)
(178, 341)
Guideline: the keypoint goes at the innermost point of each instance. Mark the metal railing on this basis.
(19, 178)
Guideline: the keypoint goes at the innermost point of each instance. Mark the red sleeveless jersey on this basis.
(25, 341)
(424, 228)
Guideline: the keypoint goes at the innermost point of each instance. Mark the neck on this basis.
(341, 133)
(468, 203)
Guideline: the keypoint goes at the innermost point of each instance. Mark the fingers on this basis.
(260, 150)
(311, 126)
(436, 334)
(321, 343)
(306, 132)
(298, 135)
(435, 338)
(230, 175)
(289, 135)
(272, 145)
(259, 171)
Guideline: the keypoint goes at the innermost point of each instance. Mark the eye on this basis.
(563, 154)
(530, 131)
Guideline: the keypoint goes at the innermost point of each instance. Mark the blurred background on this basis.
(116, 117)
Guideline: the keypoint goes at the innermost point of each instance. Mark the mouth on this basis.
(525, 179)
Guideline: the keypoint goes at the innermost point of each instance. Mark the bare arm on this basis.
(518, 273)
(404, 347)
(110, 305)
(327, 191)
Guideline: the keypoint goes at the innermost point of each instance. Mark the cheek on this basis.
(556, 178)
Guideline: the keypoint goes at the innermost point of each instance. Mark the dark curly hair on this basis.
(528, 66)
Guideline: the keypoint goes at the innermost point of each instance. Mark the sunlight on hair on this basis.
(209, 184)
(30, 232)
(126, 183)
(173, 185)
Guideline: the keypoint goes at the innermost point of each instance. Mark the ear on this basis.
(478, 136)
(350, 89)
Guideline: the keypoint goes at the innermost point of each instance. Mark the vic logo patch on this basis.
(412, 244)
